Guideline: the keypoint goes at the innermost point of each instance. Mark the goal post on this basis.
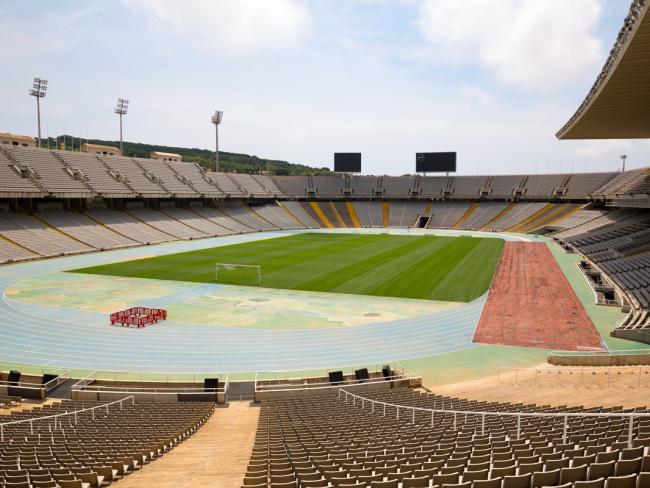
(238, 274)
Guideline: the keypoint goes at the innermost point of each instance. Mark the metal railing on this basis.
(483, 414)
(537, 375)
(74, 413)
(320, 381)
(86, 384)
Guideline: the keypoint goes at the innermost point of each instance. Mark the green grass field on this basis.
(424, 267)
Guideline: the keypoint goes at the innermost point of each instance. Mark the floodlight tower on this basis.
(38, 91)
(623, 158)
(121, 109)
(216, 120)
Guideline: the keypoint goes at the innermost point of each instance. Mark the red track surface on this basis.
(532, 304)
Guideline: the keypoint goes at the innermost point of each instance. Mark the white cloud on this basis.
(233, 26)
(532, 44)
(477, 95)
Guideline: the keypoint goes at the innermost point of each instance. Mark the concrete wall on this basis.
(601, 360)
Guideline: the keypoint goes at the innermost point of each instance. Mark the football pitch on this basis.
(422, 267)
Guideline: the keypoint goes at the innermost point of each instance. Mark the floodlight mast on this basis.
(623, 158)
(121, 109)
(216, 120)
(38, 91)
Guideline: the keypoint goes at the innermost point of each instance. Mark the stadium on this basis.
(167, 323)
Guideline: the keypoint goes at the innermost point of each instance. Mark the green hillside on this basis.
(231, 162)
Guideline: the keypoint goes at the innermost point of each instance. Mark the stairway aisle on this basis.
(216, 456)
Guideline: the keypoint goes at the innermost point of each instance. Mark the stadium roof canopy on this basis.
(618, 104)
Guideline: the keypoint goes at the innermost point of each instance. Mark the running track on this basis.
(57, 337)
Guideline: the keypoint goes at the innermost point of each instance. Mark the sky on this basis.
(298, 80)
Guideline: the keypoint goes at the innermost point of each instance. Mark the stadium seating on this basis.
(363, 186)
(32, 234)
(13, 183)
(166, 177)
(329, 186)
(544, 186)
(397, 186)
(297, 210)
(325, 441)
(164, 223)
(102, 180)
(277, 216)
(369, 214)
(143, 183)
(505, 185)
(128, 226)
(243, 214)
(468, 186)
(221, 219)
(444, 215)
(51, 172)
(292, 186)
(95, 444)
(83, 229)
(197, 178)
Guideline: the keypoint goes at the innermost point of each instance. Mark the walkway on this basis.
(216, 456)
(532, 304)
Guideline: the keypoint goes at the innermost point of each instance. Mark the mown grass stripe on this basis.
(425, 267)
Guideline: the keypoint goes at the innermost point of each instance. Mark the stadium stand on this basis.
(292, 186)
(227, 185)
(362, 441)
(222, 220)
(128, 226)
(197, 178)
(164, 223)
(404, 214)
(297, 210)
(468, 186)
(167, 178)
(50, 171)
(277, 216)
(482, 214)
(329, 186)
(14, 181)
(341, 210)
(432, 186)
(545, 186)
(369, 214)
(105, 182)
(34, 235)
(398, 186)
(269, 186)
(520, 213)
(10, 252)
(585, 184)
(363, 186)
(83, 229)
(90, 444)
(143, 183)
(444, 215)
(244, 215)
(504, 186)
(195, 221)
(253, 187)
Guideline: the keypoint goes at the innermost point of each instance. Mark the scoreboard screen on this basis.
(435, 162)
(347, 162)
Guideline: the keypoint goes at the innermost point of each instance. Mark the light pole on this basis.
(38, 91)
(623, 158)
(121, 109)
(216, 120)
